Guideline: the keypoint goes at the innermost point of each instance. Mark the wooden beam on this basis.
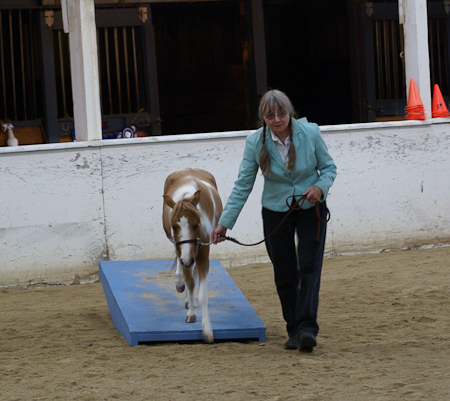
(152, 74)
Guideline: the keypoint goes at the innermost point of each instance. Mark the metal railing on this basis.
(389, 64)
(120, 70)
(118, 58)
(18, 65)
(438, 45)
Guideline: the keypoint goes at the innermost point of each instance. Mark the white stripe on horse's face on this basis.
(185, 232)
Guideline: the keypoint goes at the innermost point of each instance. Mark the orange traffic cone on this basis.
(414, 110)
(439, 107)
(414, 97)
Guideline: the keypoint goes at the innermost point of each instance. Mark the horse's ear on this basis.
(168, 201)
(196, 198)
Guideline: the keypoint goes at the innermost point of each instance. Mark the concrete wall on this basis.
(67, 206)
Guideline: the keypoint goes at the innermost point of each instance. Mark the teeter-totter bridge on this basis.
(145, 306)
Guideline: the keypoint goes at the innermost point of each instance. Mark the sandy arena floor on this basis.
(385, 335)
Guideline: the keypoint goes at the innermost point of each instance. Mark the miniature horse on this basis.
(191, 210)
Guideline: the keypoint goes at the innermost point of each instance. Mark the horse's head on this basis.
(185, 222)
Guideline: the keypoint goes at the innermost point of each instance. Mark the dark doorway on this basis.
(201, 74)
(308, 57)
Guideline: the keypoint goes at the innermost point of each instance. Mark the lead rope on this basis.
(292, 208)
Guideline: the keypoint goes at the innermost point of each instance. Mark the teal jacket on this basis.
(314, 166)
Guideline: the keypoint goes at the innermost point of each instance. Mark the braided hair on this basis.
(266, 105)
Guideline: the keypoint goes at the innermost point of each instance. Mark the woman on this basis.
(294, 160)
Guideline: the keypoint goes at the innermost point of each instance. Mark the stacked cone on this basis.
(414, 110)
(439, 107)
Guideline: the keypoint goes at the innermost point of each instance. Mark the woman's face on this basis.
(278, 121)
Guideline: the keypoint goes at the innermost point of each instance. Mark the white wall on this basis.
(392, 187)
(67, 206)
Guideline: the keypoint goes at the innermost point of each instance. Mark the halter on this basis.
(196, 241)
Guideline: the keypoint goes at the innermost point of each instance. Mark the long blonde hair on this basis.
(266, 105)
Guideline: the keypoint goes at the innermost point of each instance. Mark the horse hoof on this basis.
(180, 289)
(208, 338)
(186, 305)
(191, 319)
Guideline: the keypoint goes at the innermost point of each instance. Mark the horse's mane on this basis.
(184, 206)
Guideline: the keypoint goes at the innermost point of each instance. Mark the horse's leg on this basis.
(179, 281)
(202, 262)
(191, 317)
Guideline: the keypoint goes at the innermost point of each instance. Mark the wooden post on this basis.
(84, 69)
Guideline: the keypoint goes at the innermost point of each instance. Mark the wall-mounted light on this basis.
(49, 18)
(369, 8)
(447, 6)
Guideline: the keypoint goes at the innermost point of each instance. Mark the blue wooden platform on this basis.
(145, 306)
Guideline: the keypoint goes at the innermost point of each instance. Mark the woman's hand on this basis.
(219, 230)
(313, 194)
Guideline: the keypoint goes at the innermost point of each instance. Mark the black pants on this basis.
(297, 271)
